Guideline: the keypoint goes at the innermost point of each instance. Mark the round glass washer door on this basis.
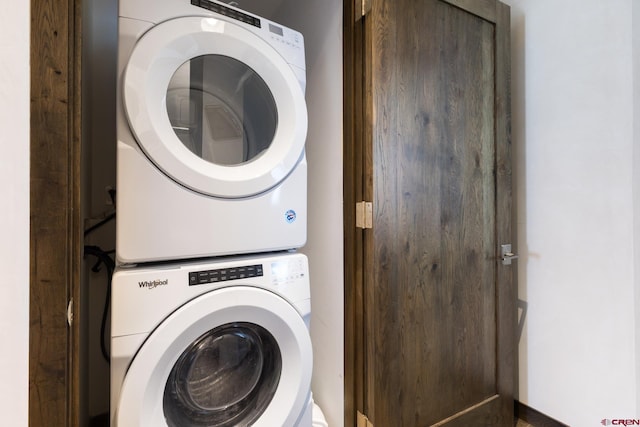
(227, 377)
(214, 107)
(234, 356)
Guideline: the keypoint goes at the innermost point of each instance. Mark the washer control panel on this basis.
(287, 272)
(278, 273)
(224, 274)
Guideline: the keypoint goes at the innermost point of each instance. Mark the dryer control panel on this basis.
(228, 12)
(279, 36)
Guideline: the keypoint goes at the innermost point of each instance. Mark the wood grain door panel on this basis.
(438, 309)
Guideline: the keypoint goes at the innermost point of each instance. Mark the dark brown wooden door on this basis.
(433, 308)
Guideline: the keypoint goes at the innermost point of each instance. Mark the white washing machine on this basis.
(211, 127)
(222, 343)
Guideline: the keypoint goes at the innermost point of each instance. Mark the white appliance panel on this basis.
(162, 312)
(236, 189)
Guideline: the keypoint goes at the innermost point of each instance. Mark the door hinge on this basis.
(70, 312)
(364, 215)
(366, 6)
(362, 420)
(362, 7)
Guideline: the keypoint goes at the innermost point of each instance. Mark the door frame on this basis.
(55, 217)
(356, 78)
(56, 241)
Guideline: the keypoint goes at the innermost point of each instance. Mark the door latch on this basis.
(506, 255)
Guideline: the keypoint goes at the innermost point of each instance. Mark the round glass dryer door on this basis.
(234, 356)
(221, 110)
(214, 107)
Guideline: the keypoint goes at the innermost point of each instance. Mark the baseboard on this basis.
(535, 418)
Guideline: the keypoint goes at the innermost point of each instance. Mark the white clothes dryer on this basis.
(211, 127)
(219, 343)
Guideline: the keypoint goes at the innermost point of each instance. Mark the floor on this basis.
(104, 422)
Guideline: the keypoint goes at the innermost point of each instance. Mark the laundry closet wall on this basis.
(14, 215)
(576, 133)
(320, 21)
(100, 26)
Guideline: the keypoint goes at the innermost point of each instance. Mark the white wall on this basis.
(14, 214)
(572, 74)
(636, 183)
(320, 21)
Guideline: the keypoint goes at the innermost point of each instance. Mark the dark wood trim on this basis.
(366, 307)
(485, 9)
(534, 417)
(352, 192)
(55, 219)
(505, 231)
(357, 117)
(75, 392)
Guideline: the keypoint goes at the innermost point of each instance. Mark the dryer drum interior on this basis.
(221, 110)
(226, 377)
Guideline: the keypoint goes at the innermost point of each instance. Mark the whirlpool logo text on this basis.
(152, 284)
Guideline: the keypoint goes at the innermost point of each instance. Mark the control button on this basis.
(193, 279)
(214, 276)
(203, 277)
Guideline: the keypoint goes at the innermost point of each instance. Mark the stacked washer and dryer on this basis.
(210, 301)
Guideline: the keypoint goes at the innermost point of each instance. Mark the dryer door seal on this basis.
(206, 321)
(152, 92)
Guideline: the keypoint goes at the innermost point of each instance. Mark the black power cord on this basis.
(99, 224)
(109, 263)
(112, 196)
(103, 259)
